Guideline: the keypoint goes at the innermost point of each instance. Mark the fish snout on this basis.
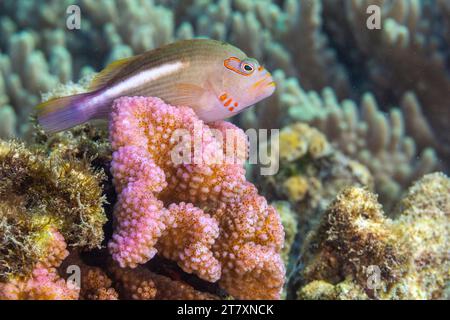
(270, 82)
(267, 85)
(265, 81)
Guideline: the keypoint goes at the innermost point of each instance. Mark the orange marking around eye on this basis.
(227, 64)
(260, 68)
(228, 102)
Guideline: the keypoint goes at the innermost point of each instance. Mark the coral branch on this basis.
(201, 213)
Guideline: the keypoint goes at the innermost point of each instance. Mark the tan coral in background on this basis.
(312, 172)
(356, 239)
(383, 143)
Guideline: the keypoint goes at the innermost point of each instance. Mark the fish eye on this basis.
(248, 67)
(244, 68)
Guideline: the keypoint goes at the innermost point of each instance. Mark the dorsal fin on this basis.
(109, 72)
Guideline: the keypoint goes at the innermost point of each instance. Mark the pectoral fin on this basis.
(190, 95)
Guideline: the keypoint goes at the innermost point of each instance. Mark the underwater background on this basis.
(362, 191)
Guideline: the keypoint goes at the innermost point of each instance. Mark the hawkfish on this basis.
(216, 79)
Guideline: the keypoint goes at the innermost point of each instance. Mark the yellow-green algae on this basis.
(289, 221)
(39, 192)
(312, 172)
(355, 240)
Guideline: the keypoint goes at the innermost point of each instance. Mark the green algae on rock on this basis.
(311, 174)
(355, 241)
(38, 192)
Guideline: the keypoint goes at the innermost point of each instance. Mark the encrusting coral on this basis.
(359, 253)
(38, 193)
(200, 211)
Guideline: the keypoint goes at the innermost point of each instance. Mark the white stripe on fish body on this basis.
(141, 79)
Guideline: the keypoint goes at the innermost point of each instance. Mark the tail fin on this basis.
(60, 114)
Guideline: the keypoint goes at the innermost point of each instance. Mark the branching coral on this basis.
(364, 133)
(265, 29)
(408, 54)
(96, 285)
(357, 252)
(7, 122)
(26, 73)
(37, 193)
(323, 43)
(379, 143)
(94, 282)
(199, 211)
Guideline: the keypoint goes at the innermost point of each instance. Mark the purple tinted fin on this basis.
(64, 113)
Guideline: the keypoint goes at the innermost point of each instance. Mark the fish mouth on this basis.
(264, 87)
(264, 83)
(268, 86)
(272, 84)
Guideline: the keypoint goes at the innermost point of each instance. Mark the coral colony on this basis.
(236, 239)
(348, 197)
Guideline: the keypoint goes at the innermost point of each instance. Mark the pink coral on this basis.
(142, 284)
(188, 241)
(44, 283)
(200, 212)
(140, 221)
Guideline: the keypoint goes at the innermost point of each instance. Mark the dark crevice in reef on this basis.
(111, 198)
(170, 269)
(159, 265)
